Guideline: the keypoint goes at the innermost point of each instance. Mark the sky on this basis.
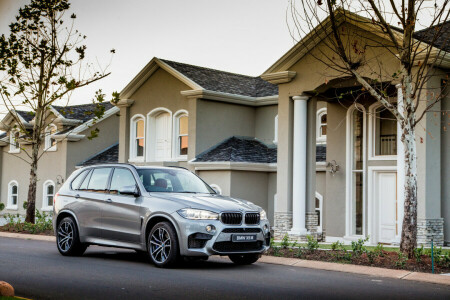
(240, 36)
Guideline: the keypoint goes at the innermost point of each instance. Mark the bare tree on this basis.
(393, 28)
(42, 61)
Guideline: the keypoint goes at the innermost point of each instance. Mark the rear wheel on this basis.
(244, 259)
(68, 239)
(163, 246)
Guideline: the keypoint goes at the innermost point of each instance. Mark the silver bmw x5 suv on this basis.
(167, 212)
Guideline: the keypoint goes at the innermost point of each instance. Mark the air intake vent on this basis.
(231, 218)
(252, 218)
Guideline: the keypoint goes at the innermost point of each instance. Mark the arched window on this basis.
(160, 135)
(13, 195)
(216, 188)
(14, 146)
(275, 137)
(137, 138)
(181, 124)
(50, 143)
(321, 130)
(49, 193)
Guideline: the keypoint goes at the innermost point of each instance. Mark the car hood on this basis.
(216, 203)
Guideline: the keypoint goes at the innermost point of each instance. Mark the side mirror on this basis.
(129, 190)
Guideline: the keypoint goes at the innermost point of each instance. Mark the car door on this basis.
(91, 195)
(121, 213)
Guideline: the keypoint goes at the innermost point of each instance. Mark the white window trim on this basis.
(133, 157)
(45, 206)
(176, 128)
(48, 139)
(275, 136)
(348, 176)
(150, 152)
(216, 188)
(320, 198)
(9, 205)
(372, 135)
(12, 142)
(320, 139)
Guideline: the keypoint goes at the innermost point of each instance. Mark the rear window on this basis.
(77, 181)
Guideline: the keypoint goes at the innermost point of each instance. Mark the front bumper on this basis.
(195, 240)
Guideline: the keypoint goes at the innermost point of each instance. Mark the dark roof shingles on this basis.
(26, 115)
(439, 33)
(83, 112)
(225, 82)
(108, 155)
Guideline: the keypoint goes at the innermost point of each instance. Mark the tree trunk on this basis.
(32, 186)
(409, 230)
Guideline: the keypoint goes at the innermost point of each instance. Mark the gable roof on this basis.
(26, 115)
(82, 112)
(108, 155)
(442, 40)
(225, 82)
(321, 31)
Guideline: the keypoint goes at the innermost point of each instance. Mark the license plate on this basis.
(243, 238)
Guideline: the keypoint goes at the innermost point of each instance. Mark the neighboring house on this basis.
(65, 145)
(360, 190)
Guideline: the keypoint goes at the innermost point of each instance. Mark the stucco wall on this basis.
(217, 121)
(445, 164)
(220, 178)
(265, 123)
(84, 149)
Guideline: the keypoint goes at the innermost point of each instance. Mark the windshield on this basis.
(172, 181)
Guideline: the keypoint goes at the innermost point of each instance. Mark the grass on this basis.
(349, 247)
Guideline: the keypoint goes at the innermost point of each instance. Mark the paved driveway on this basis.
(38, 271)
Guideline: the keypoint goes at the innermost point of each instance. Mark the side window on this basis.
(84, 185)
(77, 181)
(99, 180)
(121, 177)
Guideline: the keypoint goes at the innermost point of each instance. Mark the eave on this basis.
(230, 98)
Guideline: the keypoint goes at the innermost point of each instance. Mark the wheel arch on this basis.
(155, 219)
(68, 213)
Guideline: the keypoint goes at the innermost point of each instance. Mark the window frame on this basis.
(9, 205)
(275, 134)
(13, 148)
(372, 135)
(320, 138)
(48, 139)
(133, 137)
(45, 195)
(176, 135)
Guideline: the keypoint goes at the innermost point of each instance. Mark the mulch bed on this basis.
(8, 228)
(389, 259)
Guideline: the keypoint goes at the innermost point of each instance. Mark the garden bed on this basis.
(15, 223)
(365, 256)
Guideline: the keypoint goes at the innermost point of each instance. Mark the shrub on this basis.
(312, 244)
(371, 256)
(276, 251)
(379, 250)
(418, 252)
(2, 206)
(358, 246)
(300, 252)
(285, 241)
(25, 205)
(401, 262)
(337, 246)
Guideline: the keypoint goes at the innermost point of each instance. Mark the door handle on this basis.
(108, 201)
(77, 196)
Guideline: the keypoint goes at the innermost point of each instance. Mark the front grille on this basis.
(231, 218)
(252, 218)
(242, 230)
(237, 247)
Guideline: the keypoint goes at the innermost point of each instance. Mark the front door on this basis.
(162, 132)
(387, 206)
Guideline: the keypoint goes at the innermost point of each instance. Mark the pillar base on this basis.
(298, 231)
(430, 228)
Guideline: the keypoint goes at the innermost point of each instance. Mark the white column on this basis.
(299, 166)
(400, 166)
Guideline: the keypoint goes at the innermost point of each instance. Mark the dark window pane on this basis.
(49, 200)
(85, 183)
(357, 203)
(14, 189)
(183, 145)
(385, 132)
(121, 178)
(77, 181)
(50, 189)
(99, 179)
(357, 140)
(14, 200)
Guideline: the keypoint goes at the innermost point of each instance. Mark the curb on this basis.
(311, 264)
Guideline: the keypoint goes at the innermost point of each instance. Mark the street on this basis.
(37, 271)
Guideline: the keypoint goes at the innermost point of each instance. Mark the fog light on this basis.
(210, 228)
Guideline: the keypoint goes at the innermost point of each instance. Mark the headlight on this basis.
(262, 214)
(198, 214)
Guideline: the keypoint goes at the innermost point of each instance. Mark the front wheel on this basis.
(163, 245)
(68, 239)
(244, 259)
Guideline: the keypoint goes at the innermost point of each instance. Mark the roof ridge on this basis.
(79, 105)
(211, 69)
(431, 27)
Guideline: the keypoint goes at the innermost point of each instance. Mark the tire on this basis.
(162, 246)
(244, 259)
(68, 239)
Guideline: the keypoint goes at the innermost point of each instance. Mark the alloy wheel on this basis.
(160, 245)
(65, 236)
